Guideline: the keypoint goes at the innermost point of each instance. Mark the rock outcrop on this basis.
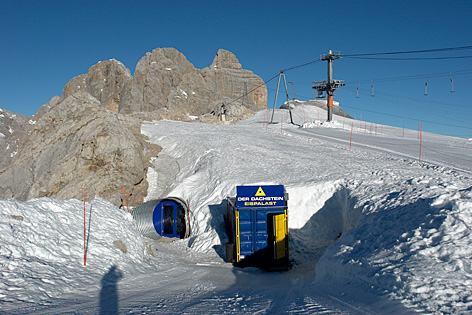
(91, 136)
(104, 81)
(78, 142)
(227, 79)
(10, 126)
(166, 79)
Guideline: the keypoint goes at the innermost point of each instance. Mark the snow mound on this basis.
(412, 245)
(42, 249)
(371, 215)
(366, 218)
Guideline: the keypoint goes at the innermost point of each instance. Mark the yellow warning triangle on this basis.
(260, 192)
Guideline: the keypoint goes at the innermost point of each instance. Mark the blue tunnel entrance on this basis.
(162, 217)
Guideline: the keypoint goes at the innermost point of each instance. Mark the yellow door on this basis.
(281, 230)
(238, 243)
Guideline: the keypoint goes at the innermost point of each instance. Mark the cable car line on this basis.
(428, 110)
(412, 58)
(410, 51)
(403, 78)
(415, 99)
(409, 118)
(420, 111)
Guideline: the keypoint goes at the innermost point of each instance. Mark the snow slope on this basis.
(372, 229)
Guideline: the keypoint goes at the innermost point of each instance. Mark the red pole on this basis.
(421, 138)
(188, 217)
(350, 141)
(85, 230)
(281, 122)
(124, 198)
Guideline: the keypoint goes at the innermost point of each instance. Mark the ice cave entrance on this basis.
(166, 217)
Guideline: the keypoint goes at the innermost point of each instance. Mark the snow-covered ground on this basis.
(372, 229)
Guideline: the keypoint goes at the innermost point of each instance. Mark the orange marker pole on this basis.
(123, 191)
(350, 141)
(85, 230)
(188, 218)
(421, 138)
(281, 122)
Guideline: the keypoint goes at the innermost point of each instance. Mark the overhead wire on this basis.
(417, 100)
(412, 58)
(404, 117)
(365, 56)
(254, 89)
(393, 115)
(273, 77)
(410, 51)
(412, 77)
(429, 109)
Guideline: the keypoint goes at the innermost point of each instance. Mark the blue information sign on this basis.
(260, 196)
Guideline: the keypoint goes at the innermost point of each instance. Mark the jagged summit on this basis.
(164, 78)
(92, 134)
(225, 59)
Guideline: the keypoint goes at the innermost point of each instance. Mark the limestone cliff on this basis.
(92, 134)
(166, 79)
(78, 142)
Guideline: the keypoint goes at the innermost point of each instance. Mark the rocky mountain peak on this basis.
(164, 78)
(92, 134)
(225, 59)
(104, 81)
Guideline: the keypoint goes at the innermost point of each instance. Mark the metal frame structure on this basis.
(281, 74)
(330, 85)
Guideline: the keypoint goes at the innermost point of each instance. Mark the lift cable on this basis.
(273, 77)
(409, 118)
(363, 55)
(409, 98)
(398, 103)
(402, 78)
(412, 58)
(257, 87)
(410, 51)
(412, 77)
(360, 55)
(302, 65)
(429, 110)
(414, 119)
(393, 115)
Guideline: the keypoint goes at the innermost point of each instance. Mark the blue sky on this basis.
(46, 43)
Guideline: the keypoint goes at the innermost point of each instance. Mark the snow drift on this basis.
(366, 219)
